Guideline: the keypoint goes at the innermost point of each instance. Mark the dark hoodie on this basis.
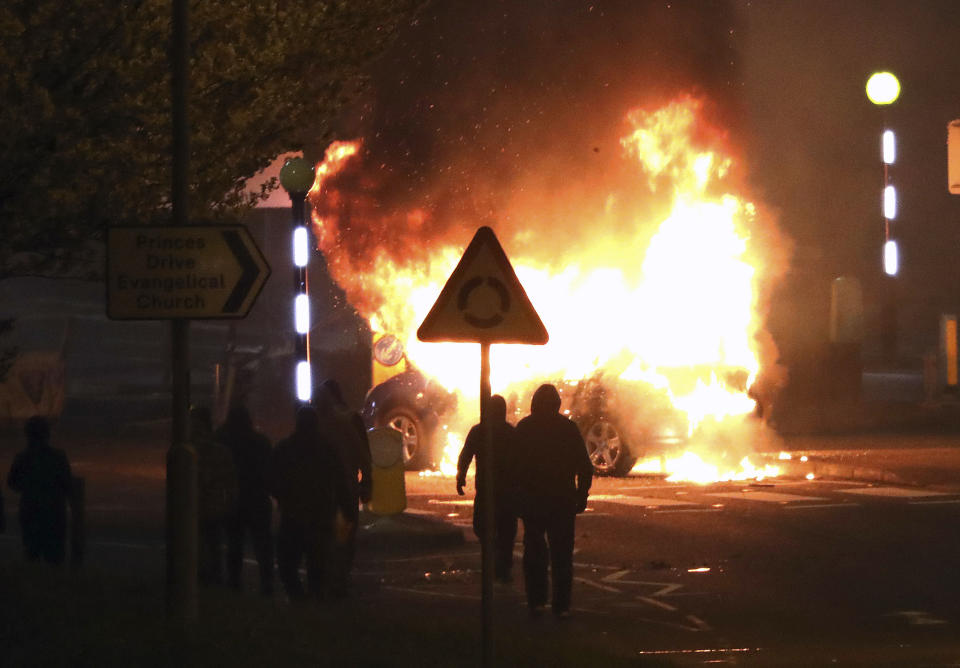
(554, 470)
(306, 475)
(251, 455)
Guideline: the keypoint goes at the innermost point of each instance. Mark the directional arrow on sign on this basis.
(195, 272)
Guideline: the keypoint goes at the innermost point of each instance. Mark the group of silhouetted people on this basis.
(318, 476)
(541, 475)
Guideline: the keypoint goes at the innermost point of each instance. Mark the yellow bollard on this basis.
(389, 493)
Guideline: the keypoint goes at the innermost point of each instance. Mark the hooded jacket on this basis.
(554, 470)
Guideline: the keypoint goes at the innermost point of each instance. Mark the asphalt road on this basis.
(784, 572)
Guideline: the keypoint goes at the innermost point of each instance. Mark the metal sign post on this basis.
(483, 302)
(181, 588)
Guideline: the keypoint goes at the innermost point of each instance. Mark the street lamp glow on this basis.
(301, 246)
(883, 88)
(301, 313)
(891, 258)
(889, 202)
(304, 382)
(889, 147)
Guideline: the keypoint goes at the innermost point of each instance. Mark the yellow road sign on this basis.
(195, 272)
(483, 300)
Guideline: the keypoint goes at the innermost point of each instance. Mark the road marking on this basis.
(596, 585)
(822, 505)
(702, 625)
(703, 509)
(454, 502)
(893, 492)
(656, 603)
(933, 502)
(666, 588)
(765, 497)
(645, 501)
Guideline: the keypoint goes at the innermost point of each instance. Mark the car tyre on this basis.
(608, 452)
(416, 450)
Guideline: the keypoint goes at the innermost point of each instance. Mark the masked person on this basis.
(310, 486)
(41, 475)
(504, 510)
(348, 434)
(554, 475)
(251, 452)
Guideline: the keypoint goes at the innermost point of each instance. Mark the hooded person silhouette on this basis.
(554, 474)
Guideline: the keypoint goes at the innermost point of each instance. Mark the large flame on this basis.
(671, 302)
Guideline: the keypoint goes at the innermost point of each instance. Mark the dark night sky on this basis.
(514, 87)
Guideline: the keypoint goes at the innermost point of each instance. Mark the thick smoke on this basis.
(483, 112)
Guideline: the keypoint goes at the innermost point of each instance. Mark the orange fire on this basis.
(663, 287)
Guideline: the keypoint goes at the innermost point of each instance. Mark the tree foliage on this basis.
(85, 90)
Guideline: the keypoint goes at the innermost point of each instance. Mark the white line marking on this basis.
(765, 497)
(823, 505)
(655, 602)
(597, 585)
(702, 625)
(646, 501)
(933, 502)
(451, 502)
(666, 588)
(690, 510)
(892, 492)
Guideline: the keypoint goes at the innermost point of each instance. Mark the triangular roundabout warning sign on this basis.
(483, 300)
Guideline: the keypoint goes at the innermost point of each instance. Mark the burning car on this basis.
(417, 406)
(653, 276)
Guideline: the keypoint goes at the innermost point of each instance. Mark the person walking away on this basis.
(349, 435)
(309, 485)
(554, 476)
(217, 494)
(251, 453)
(504, 510)
(41, 475)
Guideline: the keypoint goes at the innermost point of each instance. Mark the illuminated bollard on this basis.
(389, 493)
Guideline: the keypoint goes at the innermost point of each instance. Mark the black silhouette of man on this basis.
(554, 475)
(41, 474)
(251, 457)
(505, 513)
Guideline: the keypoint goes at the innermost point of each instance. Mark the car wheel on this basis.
(415, 451)
(606, 448)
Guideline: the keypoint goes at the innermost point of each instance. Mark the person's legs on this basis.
(263, 547)
(317, 551)
(560, 533)
(289, 550)
(235, 535)
(535, 557)
(506, 534)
